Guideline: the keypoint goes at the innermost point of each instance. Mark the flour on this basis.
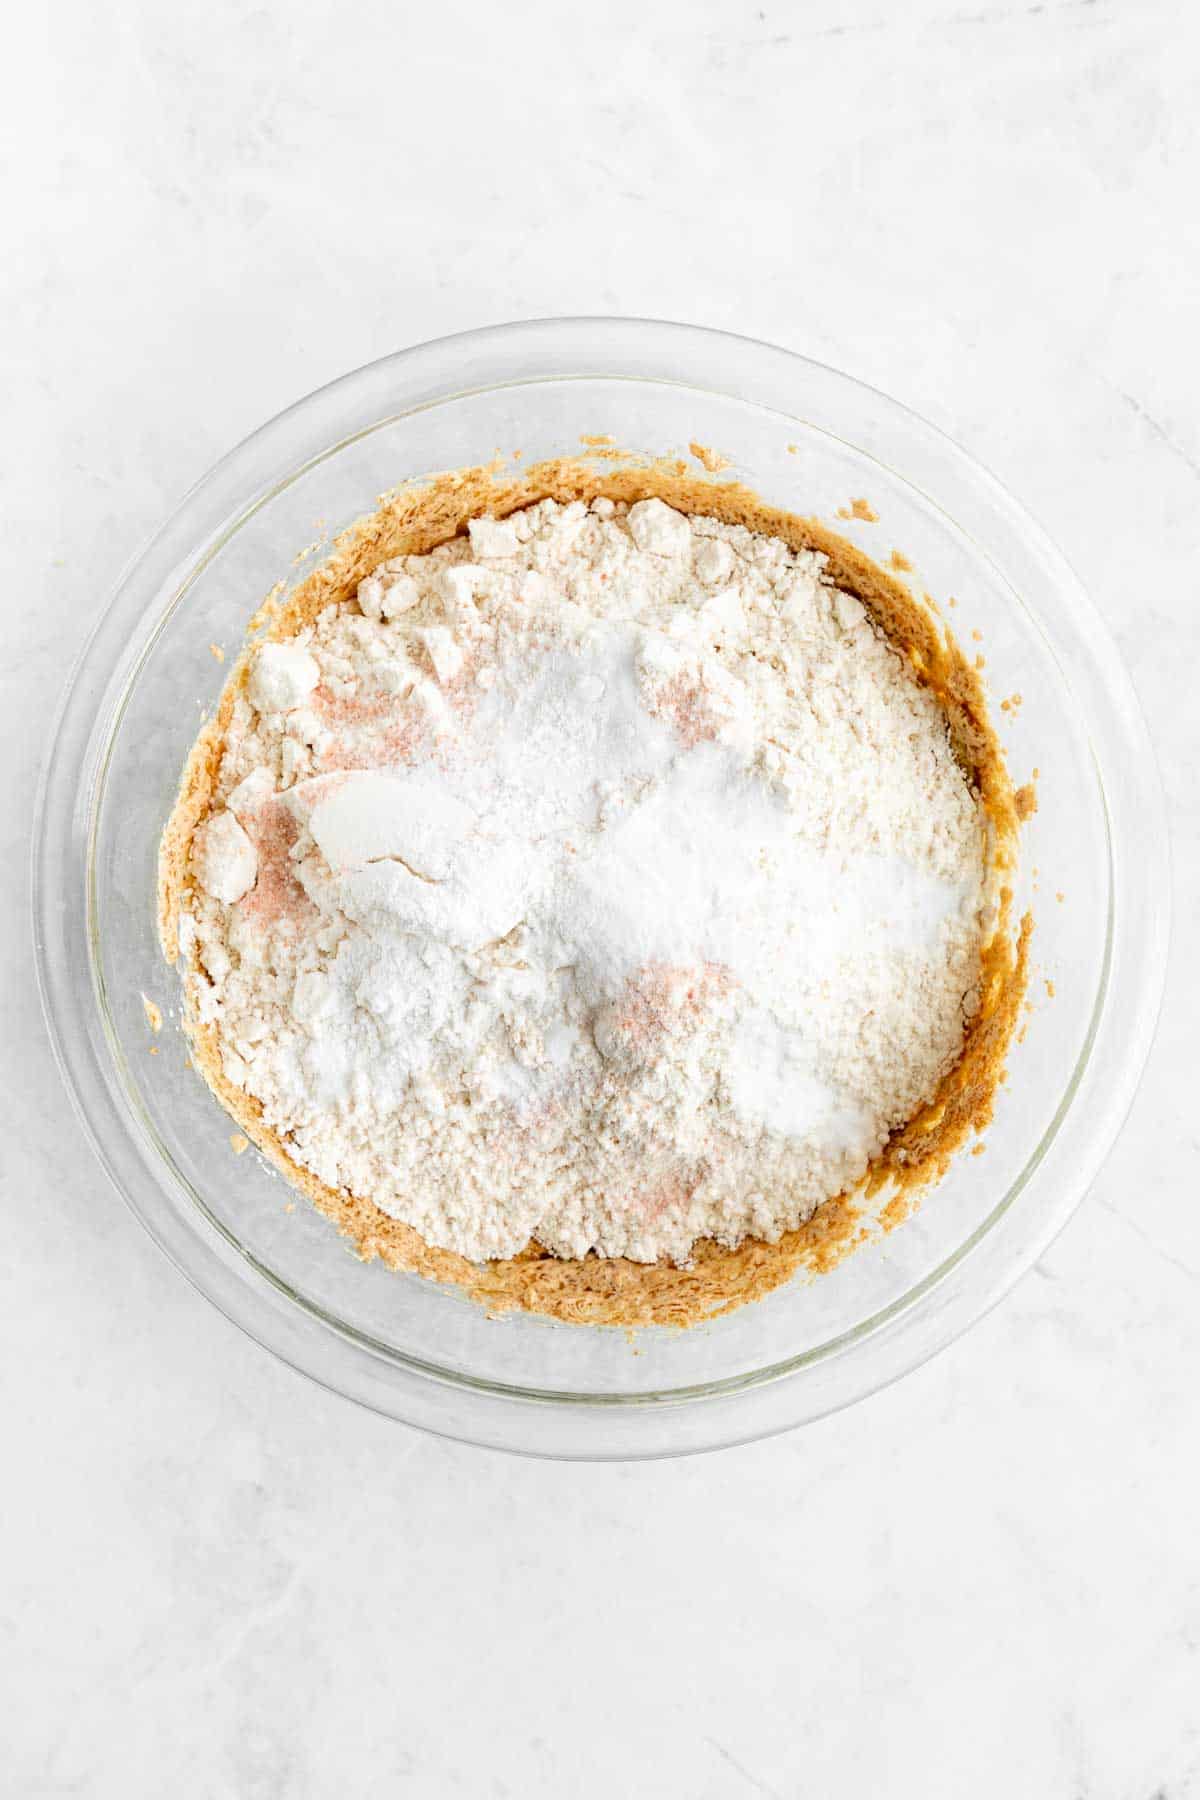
(602, 877)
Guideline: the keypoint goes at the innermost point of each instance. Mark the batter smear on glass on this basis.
(604, 885)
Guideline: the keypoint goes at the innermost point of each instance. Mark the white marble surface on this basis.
(217, 1579)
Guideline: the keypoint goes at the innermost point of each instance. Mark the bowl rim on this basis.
(916, 1324)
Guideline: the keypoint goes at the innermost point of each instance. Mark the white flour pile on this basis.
(604, 880)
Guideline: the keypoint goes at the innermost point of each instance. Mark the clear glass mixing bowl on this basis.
(808, 439)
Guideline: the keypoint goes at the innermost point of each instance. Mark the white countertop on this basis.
(220, 1580)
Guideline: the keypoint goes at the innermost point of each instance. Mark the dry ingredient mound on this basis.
(602, 878)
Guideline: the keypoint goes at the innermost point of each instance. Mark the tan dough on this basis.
(413, 519)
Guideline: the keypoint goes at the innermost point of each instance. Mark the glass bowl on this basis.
(808, 439)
